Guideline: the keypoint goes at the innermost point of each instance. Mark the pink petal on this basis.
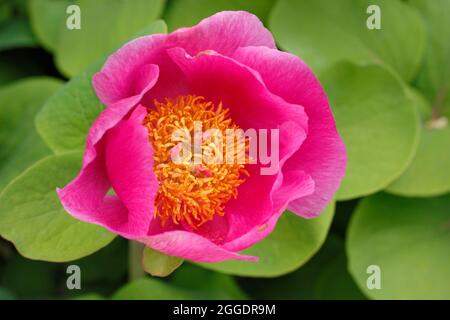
(295, 184)
(85, 197)
(129, 164)
(110, 90)
(223, 32)
(192, 247)
(323, 154)
(252, 105)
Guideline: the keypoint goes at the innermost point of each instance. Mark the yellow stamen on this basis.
(188, 192)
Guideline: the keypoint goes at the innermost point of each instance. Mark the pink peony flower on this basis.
(227, 73)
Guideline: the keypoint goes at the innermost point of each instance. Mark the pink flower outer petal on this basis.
(223, 32)
(323, 154)
(85, 197)
(191, 246)
(129, 165)
(301, 183)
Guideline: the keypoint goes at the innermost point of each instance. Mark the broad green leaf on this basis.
(152, 289)
(20, 145)
(105, 24)
(408, 239)
(293, 242)
(48, 18)
(216, 285)
(159, 26)
(184, 13)
(31, 215)
(159, 264)
(65, 120)
(429, 173)
(307, 282)
(16, 34)
(378, 123)
(323, 32)
(434, 77)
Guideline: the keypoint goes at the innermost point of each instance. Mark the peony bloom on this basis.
(226, 73)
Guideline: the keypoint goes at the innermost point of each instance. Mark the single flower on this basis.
(224, 74)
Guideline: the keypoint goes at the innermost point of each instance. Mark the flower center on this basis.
(194, 189)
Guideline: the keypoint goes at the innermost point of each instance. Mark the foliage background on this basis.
(390, 93)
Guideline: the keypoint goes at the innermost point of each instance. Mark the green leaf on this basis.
(184, 13)
(408, 239)
(48, 18)
(214, 285)
(105, 25)
(16, 34)
(434, 77)
(293, 242)
(159, 26)
(31, 215)
(65, 119)
(323, 32)
(20, 145)
(308, 282)
(151, 289)
(159, 264)
(378, 123)
(429, 174)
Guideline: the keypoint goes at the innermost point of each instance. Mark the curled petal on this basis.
(223, 32)
(323, 154)
(191, 246)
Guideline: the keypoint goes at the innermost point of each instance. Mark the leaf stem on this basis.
(439, 102)
(135, 251)
(438, 120)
